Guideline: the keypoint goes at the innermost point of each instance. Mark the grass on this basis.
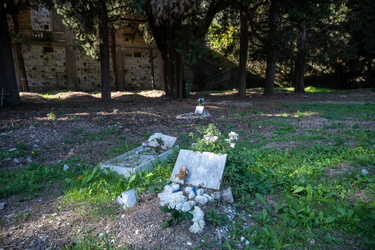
(33, 178)
(313, 189)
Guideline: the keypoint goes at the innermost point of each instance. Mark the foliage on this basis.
(176, 216)
(212, 141)
(33, 178)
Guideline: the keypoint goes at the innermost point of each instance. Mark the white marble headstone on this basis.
(199, 110)
(205, 169)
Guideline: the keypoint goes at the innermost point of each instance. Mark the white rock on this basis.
(168, 189)
(66, 167)
(188, 189)
(12, 149)
(201, 200)
(244, 240)
(227, 195)
(209, 197)
(175, 186)
(189, 243)
(2, 205)
(200, 191)
(216, 195)
(191, 195)
(128, 199)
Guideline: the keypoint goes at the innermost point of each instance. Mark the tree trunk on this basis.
(24, 86)
(152, 68)
(269, 88)
(370, 72)
(114, 57)
(8, 80)
(244, 45)
(104, 51)
(299, 70)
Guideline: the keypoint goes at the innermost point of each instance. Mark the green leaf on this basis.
(261, 199)
(298, 189)
(70, 180)
(330, 219)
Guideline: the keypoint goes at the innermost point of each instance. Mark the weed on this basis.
(52, 115)
(216, 218)
(32, 179)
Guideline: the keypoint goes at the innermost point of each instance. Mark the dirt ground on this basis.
(44, 222)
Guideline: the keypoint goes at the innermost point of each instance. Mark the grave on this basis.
(200, 112)
(141, 158)
(205, 168)
(193, 115)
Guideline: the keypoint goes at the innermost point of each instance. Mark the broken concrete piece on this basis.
(2, 205)
(127, 199)
(216, 195)
(205, 169)
(227, 195)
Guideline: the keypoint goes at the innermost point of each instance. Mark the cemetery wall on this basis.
(52, 59)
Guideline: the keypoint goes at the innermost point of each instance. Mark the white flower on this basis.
(211, 138)
(155, 139)
(172, 200)
(164, 198)
(179, 206)
(197, 226)
(155, 136)
(186, 207)
(233, 136)
(192, 203)
(197, 213)
(175, 199)
(232, 145)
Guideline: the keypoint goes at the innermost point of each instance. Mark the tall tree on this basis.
(271, 43)
(309, 20)
(14, 8)
(104, 50)
(265, 32)
(170, 21)
(244, 47)
(89, 20)
(8, 81)
(361, 30)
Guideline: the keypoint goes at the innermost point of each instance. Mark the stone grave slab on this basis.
(205, 168)
(140, 158)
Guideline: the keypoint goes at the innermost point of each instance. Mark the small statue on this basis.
(180, 177)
